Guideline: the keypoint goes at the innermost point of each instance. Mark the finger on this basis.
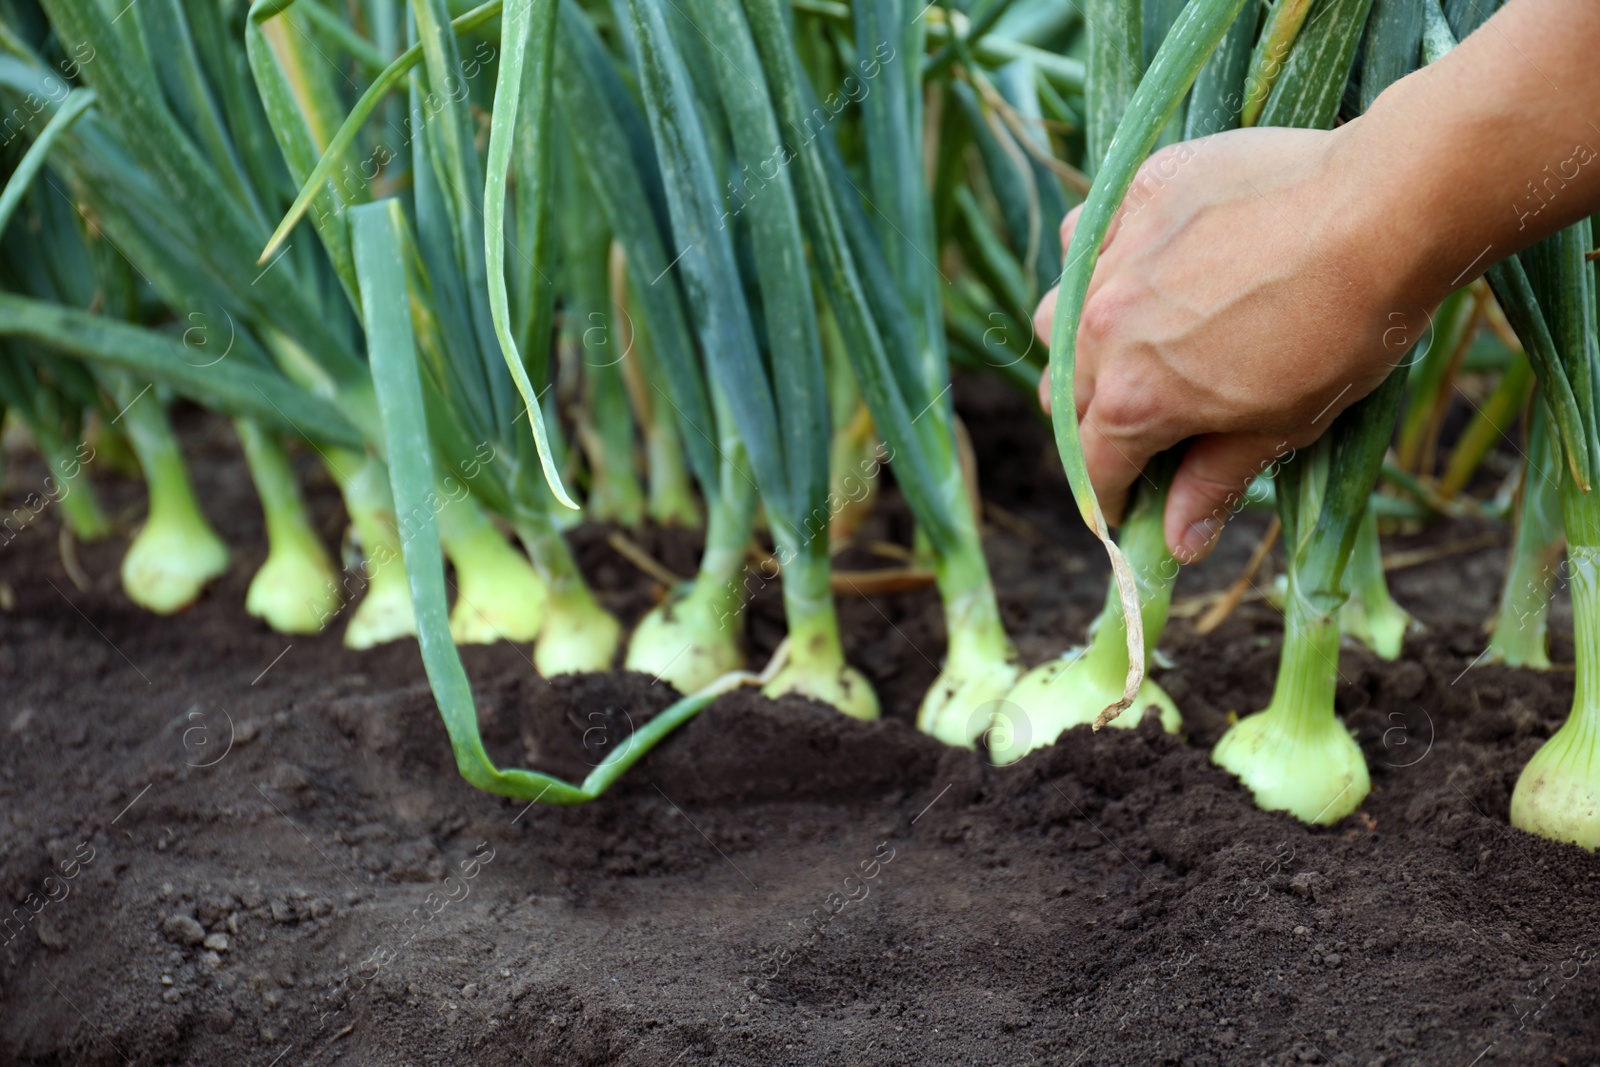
(1044, 316)
(1068, 225)
(1209, 487)
(1113, 465)
(1044, 391)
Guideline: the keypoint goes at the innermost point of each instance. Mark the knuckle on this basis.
(1103, 315)
(1124, 410)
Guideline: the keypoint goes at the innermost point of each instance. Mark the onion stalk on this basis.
(1371, 615)
(780, 411)
(1558, 793)
(378, 250)
(687, 638)
(1295, 755)
(669, 493)
(1519, 637)
(499, 596)
(980, 664)
(597, 337)
(41, 408)
(296, 590)
(1074, 689)
(692, 638)
(176, 553)
(1061, 694)
(1548, 294)
(384, 613)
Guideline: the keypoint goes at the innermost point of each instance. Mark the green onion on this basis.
(593, 338)
(499, 596)
(1519, 637)
(379, 256)
(786, 444)
(1197, 32)
(1371, 615)
(1558, 794)
(474, 392)
(890, 322)
(176, 553)
(296, 589)
(1076, 689)
(384, 613)
(1295, 755)
(669, 495)
(1548, 295)
(692, 638)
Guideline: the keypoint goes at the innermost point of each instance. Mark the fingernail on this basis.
(1197, 540)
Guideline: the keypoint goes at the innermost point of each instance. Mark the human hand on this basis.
(1256, 283)
(1243, 298)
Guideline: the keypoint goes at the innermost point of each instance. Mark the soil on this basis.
(274, 861)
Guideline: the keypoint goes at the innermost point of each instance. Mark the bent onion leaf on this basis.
(391, 348)
(527, 22)
(77, 102)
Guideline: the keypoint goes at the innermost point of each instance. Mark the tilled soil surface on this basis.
(274, 862)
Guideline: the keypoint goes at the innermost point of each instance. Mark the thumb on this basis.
(1209, 488)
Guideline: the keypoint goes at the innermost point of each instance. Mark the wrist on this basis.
(1476, 157)
(1413, 224)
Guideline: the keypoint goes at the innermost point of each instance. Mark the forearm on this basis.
(1483, 153)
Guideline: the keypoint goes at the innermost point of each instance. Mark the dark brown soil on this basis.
(776, 884)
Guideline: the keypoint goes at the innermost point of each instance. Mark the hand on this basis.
(1256, 283)
(1240, 304)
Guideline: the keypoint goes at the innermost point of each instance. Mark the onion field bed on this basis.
(275, 861)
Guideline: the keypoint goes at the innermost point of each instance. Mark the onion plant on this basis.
(53, 422)
(177, 212)
(228, 145)
(1558, 794)
(693, 637)
(176, 552)
(1371, 615)
(683, 236)
(298, 586)
(1092, 685)
(1295, 755)
(461, 278)
(1519, 637)
(669, 492)
(482, 351)
(890, 332)
(1548, 295)
(1081, 686)
(980, 664)
(596, 344)
(786, 442)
